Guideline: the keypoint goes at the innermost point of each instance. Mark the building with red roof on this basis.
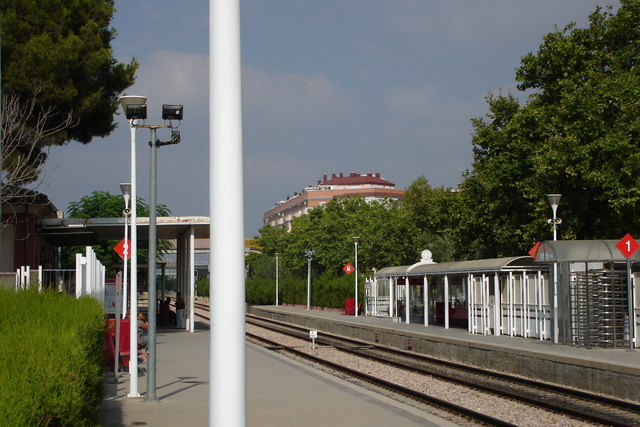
(368, 185)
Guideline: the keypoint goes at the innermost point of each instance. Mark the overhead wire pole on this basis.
(227, 375)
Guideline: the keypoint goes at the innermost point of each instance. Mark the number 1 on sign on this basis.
(628, 245)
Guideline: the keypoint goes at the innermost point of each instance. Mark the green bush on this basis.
(327, 290)
(51, 359)
(202, 287)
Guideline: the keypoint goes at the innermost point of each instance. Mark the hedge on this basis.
(51, 359)
(327, 290)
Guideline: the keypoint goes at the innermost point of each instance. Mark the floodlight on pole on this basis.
(127, 101)
(136, 109)
(134, 106)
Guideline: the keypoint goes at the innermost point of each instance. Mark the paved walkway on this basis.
(280, 392)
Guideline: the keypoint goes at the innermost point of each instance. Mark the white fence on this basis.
(88, 278)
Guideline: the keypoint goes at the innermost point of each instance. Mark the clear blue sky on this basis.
(329, 86)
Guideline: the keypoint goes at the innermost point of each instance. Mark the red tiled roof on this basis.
(357, 180)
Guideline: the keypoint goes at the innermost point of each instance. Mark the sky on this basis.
(387, 86)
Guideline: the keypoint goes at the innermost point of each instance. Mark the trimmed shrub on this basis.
(327, 290)
(51, 359)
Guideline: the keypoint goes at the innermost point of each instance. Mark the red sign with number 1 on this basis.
(627, 245)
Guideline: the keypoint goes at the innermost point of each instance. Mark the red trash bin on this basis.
(350, 306)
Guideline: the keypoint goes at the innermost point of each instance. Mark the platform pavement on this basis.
(280, 392)
(620, 357)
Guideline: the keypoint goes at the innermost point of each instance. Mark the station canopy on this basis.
(459, 267)
(91, 231)
(581, 251)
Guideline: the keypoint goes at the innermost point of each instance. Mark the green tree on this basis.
(577, 135)
(272, 239)
(102, 204)
(59, 53)
(435, 213)
(386, 237)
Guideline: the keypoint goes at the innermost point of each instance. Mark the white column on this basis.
(406, 299)
(393, 302)
(446, 301)
(497, 318)
(192, 278)
(426, 301)
(227, 377)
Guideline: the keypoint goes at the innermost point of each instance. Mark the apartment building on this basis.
(369, 185)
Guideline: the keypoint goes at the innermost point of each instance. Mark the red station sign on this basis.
(348, 268)
(627, 245)
(122, 249)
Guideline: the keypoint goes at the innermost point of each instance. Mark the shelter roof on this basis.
(392, 271)
(461, 267)
(581, 251)
(91, 231)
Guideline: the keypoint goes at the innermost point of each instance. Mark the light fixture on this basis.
(134, 106)
(126, 193)
(171, 112)
(554, 200)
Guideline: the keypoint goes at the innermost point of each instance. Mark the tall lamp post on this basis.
(554, 201)
(126, 194)
(355, 242)
(309, 255)
(277, 256)
(136, 109)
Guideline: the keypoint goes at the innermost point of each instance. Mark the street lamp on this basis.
(126, 194)
(355, 242)
(309, 255)
(277, 256)
(554, 201)
(136, 109)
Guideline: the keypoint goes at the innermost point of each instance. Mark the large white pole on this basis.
(227, 377)
(192, 280)
(133, 319)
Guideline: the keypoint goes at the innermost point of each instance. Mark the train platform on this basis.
(610, 371)
(280, 391)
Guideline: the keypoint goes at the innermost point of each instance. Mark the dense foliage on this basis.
(51, 359)
(329, 231)
(576, 135)
(388, 236)
(59, 54)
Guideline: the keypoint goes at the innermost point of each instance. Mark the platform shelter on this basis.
(589, 304)
(596, 299)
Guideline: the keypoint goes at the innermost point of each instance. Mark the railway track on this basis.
(573, 403)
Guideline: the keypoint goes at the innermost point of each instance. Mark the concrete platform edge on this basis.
(536, 359)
